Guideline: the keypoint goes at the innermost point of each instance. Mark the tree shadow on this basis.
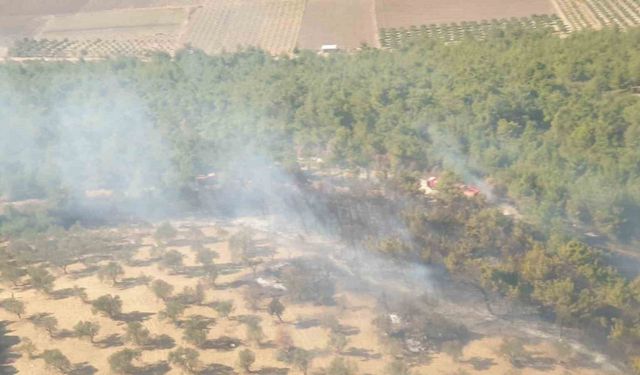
(362, 353)
(62, 293)
(64, 333)
(348, 330)
(231, 285)
(268, 345)
(161, 342)
(110, 341)
(131, 282)
(540, 363)
(7, 357)
(134, 316)
(271, 371)
(217, 369)
(158, 368)
(85, 272)
(141, 262)
(223, 343)
(480, 364)
(83, 368)
(307, 323)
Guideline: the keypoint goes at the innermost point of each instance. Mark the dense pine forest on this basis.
(551, 123)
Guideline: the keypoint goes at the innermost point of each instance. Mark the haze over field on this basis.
(194, 186)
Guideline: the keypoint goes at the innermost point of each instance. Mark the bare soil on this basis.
(404, 13)
(229, 25)
(355, 312)
(347, 24)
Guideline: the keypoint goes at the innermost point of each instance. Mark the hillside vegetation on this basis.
(552, 123)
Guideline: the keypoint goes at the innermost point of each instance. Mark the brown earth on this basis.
(226, 25)
(355, 311)
(348, 24)
(404, 13)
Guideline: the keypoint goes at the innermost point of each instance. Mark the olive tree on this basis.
(337, 341)
(137, 334)
(185, 358)
(41, 279)
(254, 331)
(205, 256)
(173, 311)
(121, 361)
(47, 322)
(161, 289)
(110, 272)
(87, 329)
(108, 305)
(195, 331)
(13, 306)
(165, 232)
(276, 308)
(224, 308)
(246, 358)
(54, 359)
(27, 347)
(172, 259)
(301, 359)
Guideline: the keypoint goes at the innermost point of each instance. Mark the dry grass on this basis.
(355, 311)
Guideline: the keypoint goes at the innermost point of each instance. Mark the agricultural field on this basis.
(394, 37)
(232, 298)
(40, 7)
(116, 24)
(347, 24)
(96, 28)
(226, 25)
(98, 5)
(597, 14)
(91, 48)
(407, 13)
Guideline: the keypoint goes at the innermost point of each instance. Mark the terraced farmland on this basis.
(394, 37)
(597, 14)
(226, 25)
